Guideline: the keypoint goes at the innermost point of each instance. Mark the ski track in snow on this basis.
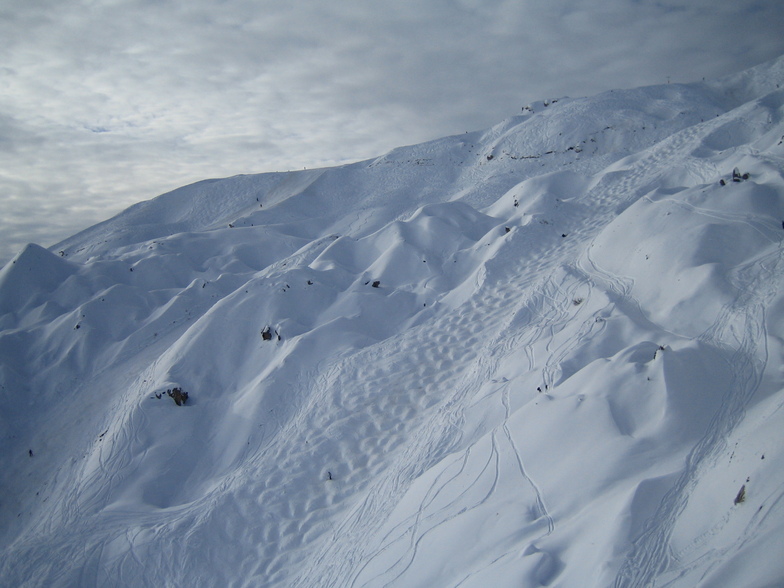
(739, 329)
(439, 437)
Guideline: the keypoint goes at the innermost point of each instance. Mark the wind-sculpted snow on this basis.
(545, 354)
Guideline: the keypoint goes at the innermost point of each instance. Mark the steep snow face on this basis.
(548, 353)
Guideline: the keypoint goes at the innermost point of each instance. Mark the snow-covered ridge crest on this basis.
(548, 353)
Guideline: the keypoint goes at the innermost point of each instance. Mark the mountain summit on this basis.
(544, 354)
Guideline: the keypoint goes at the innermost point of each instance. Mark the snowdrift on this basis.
(545, 354)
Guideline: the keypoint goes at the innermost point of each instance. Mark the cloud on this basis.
(107, 102)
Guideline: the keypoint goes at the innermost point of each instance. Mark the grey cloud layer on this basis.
(103, 103)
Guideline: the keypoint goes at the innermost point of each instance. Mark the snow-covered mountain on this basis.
(549, 353)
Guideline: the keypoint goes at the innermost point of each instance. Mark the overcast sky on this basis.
(104, 103)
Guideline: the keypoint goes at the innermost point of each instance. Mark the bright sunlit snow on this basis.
(546, 354)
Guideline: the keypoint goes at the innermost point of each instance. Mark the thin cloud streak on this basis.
(107, 102)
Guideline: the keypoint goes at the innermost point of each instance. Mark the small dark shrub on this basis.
(178, 395)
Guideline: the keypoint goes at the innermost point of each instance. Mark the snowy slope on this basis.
(549, 353)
